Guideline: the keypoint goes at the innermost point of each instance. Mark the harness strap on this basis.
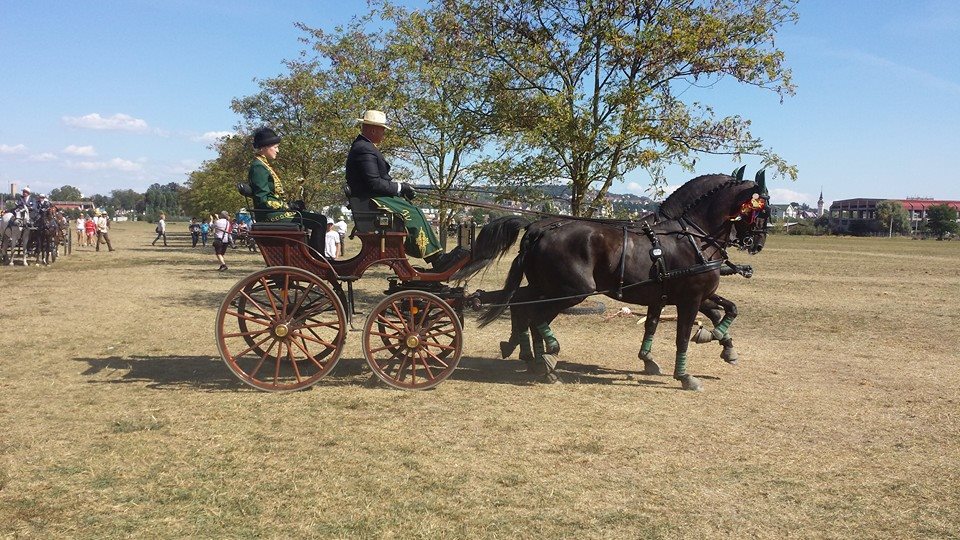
(623, 263)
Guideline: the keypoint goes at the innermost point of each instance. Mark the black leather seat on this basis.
(368, 217)
(276, 226)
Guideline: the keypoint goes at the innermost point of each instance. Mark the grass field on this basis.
(118, 419)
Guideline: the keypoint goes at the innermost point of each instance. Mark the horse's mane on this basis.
(687, 195)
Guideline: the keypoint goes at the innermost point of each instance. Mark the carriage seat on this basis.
(276, 226)
(368, 217)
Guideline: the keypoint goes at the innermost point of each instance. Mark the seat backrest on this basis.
(368, 217)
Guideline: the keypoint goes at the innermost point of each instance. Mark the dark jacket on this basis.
(268, 202)
(368, 173)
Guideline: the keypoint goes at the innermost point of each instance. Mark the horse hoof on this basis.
(689, 382)
(550, 361)
(551, 346)
(506, 349)
(729, 356)
(702, 335)
(650, 366)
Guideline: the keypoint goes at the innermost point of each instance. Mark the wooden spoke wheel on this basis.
(413, 340)
(281, 329)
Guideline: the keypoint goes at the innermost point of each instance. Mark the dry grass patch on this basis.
(119, 419)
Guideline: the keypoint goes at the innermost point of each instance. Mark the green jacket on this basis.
(267, 193)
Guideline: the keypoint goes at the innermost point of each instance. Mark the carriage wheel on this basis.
(412, 340)
(281, 329)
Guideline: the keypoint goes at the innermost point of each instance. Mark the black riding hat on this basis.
(264, 137)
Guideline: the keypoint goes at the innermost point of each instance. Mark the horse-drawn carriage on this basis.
(284, 327)
(39, 235)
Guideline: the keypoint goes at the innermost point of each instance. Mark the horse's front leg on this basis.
(650, 366)
(686, 315)
(721, 313)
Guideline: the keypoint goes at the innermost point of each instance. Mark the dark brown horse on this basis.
(675, 261)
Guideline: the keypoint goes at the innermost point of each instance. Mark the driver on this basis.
(368, 175)
(270, 202)
(26, 200)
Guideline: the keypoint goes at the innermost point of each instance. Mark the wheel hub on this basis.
(281, 330)
(412, 341)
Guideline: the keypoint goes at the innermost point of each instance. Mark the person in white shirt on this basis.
(342, 230)
(221, 238)
(80, 223)
(331, 249)
(103, 231)
(161, 230)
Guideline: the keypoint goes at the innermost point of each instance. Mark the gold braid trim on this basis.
(278, 192)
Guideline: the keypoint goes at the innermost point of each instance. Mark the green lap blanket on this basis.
(421, 241)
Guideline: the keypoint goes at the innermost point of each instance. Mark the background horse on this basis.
(15, 229)
(47, 236)
(676, 261)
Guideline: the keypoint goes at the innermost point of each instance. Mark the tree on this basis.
(420, 74)
(126, 199)
(65, 193)
(212, 188)
(942, 219)
(307, 108)
(595, 89)
(893, 216)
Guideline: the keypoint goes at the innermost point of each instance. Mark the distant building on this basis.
(862, 213)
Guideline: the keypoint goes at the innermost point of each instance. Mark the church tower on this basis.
(820, 204)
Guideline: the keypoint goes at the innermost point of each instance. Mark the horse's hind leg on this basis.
(519, 328)
(721, 313)
(650, 366)
(686, 314)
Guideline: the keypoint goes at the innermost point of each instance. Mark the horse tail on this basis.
(492, 243)
(512, 283)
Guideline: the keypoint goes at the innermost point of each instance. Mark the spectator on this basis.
(103, 231)
(204, 231)
(81, 221)
(342, 231)
(161, 230)
(221, 238)
(331, 248)
(194, 231)
(90, 228)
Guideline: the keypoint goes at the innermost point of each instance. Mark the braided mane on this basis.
(691, 193)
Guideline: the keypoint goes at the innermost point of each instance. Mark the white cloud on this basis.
(16, 149)
(45, 156)
(786, 196)
(212, 136)
(117, 122)
(113, 164)
(75, 150)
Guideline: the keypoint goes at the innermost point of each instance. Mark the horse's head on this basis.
(750, 215)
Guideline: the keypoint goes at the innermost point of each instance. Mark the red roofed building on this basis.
(846, 212)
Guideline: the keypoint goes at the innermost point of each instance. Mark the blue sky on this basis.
(120, 94)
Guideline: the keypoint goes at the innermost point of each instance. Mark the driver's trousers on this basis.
(316, 224)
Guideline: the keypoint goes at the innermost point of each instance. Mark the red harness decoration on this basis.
(751, 209)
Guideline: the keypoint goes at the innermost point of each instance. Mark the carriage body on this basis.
(283, 328)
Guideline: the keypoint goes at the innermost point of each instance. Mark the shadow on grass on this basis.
(210, 374)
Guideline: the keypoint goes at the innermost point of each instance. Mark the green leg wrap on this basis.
(680, 367)
(647, 345)
(551, 340)
(720, 330)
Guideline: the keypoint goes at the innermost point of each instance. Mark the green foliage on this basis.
(212, 188)
(65, 193)
(162, 199)
(941, 219)
(892, 216)
(594, 87)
